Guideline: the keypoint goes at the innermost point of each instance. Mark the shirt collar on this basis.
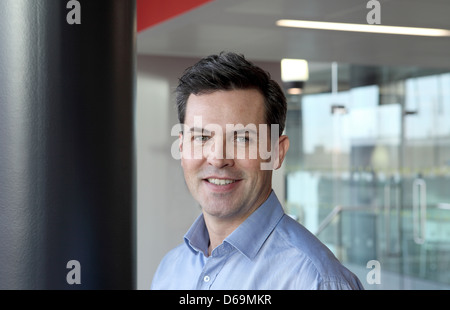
(249, 237)
(197, 237)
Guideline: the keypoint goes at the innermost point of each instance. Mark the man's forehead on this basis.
(236, 100)
(225, 108)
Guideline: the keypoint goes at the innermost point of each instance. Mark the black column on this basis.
(67, 191)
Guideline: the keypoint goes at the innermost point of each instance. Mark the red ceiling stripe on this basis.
(152, 12)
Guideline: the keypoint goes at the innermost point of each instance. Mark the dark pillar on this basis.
(67, 187)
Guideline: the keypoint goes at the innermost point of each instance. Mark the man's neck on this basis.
(218, 231)
(219, 228)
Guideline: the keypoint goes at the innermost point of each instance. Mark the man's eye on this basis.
(242, 139)
(200, 138)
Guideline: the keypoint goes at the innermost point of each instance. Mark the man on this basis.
(242, 240)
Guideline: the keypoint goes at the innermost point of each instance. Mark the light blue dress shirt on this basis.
(268, 251)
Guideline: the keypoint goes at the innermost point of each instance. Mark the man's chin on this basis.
(219, 210)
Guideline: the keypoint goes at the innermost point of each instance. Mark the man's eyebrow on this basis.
(235, 130)
(243, 130)
(198, 129)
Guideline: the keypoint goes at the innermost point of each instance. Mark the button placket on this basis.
(206, 277)
(212, 267)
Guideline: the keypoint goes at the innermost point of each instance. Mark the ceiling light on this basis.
(294, 70)
(294, 73)
(413, 31)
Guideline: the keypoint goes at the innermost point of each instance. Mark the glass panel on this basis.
(426, 216)
(368, 171)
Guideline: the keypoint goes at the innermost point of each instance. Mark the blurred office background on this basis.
(368, 170)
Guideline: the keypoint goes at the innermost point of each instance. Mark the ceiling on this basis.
(248, 27)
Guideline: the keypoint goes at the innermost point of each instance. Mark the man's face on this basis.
(226, 183)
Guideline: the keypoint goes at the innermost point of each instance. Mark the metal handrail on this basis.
(335, 212)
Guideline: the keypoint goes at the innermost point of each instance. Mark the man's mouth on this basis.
(220, 181)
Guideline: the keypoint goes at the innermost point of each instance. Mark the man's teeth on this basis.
(220, 181)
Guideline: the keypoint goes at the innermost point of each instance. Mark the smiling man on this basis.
(231, 110)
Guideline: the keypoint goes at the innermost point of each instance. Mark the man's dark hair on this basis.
(231, 71)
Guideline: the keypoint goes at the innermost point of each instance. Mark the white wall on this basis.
(165, 208)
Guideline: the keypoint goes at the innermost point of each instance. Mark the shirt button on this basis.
(206, 279)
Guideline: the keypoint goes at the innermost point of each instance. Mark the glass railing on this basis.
(384, 231)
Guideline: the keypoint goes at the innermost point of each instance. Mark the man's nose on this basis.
(218, 156)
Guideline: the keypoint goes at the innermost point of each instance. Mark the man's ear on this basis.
(180, 137)
(283, 146)
(180, 146)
